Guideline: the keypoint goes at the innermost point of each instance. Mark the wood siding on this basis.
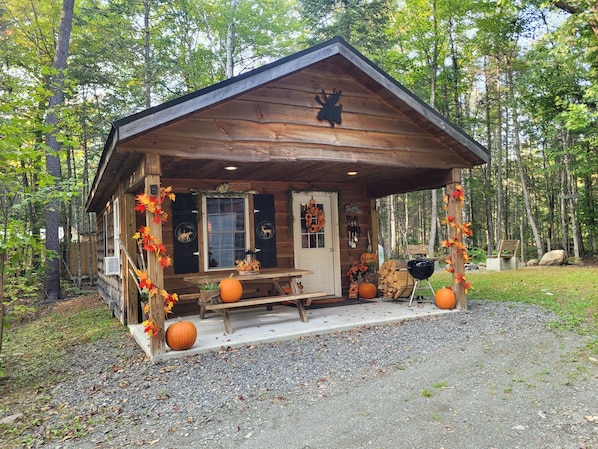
(284, 239)
(273, 135)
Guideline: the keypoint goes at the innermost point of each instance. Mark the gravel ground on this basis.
(496, 376)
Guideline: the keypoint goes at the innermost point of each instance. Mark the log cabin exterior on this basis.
(245, 157)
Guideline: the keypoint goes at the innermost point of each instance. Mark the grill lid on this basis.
(420, 269)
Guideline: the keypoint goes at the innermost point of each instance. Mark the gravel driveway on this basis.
(496, 376)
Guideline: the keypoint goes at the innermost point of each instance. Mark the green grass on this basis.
(570, 292)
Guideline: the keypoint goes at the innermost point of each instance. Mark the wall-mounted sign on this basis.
(185, 232)
(264, 230)
(330, 110)
(237, 186)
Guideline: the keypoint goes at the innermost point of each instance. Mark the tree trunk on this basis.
(564, 220)
(488, 172)
(433, 223)
(499, 165)
(524, 189)
(392, 226)
(147, 78)
(52, 289)
(433, 70)
(230, 40)
(572, 203)
(591, 211)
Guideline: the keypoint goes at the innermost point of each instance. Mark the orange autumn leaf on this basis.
(150, 328)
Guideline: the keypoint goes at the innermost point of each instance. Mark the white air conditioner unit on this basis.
(112, 265)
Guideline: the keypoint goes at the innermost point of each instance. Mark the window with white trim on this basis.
(226, 231)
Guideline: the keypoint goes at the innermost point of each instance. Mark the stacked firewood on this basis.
(394, 280)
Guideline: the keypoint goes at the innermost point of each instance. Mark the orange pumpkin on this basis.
(445, 298)
(231, 289)
(368, 258)
(181, 335)
(367, 290)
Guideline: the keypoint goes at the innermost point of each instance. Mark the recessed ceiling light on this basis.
(352, 173)
(231, 168)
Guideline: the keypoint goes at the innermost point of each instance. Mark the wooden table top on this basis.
(264, 273)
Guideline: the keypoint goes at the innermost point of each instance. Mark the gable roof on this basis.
(337, 50)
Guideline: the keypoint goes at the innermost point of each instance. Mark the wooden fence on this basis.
(83, 248)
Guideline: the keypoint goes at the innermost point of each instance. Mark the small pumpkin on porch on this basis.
(368, 258)
(367, 290)
(231, 289)
(445, 298)
(181, 335)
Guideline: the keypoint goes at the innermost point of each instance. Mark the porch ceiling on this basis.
(377, 179)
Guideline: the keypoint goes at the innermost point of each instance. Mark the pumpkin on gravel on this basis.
(231, 289)
(445, 298)
(181, 335)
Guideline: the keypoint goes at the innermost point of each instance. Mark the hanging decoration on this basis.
(330, 110)
(314, 218)
(153, 203)
(151, 244)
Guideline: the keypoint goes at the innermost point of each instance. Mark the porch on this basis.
(255, 325)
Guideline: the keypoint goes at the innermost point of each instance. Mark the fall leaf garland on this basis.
(312, 213)
(151, 244)
(463, 230)
(153, 203)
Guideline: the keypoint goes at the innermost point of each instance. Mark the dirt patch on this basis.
(91, 301)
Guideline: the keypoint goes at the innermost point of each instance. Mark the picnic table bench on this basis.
(505, 258)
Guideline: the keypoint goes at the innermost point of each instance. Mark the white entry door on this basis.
(316, 242)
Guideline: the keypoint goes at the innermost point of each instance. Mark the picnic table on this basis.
(277, 277)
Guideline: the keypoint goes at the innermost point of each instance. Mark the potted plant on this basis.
(208, 292)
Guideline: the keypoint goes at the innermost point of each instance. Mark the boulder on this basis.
(556, 257)
(532, 263)
(11, 419)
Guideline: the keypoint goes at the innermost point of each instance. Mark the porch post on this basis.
(154, 270)
(455, 209)
(127, 229)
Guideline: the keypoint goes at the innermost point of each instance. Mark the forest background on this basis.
(519, 76)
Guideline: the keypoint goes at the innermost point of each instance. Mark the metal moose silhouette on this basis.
(330, 111)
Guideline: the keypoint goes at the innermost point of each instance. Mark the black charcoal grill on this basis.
(421, 270)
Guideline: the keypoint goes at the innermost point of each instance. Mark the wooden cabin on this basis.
(246, 156)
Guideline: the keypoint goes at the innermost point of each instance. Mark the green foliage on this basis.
(209, 286)
(364, 24)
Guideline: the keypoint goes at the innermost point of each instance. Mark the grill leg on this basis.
(417, 287)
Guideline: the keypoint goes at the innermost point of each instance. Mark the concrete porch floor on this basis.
(256, 325)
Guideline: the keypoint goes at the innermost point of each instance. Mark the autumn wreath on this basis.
(314, 218)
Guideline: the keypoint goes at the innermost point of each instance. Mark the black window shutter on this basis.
(185, 238)
(265, 230)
